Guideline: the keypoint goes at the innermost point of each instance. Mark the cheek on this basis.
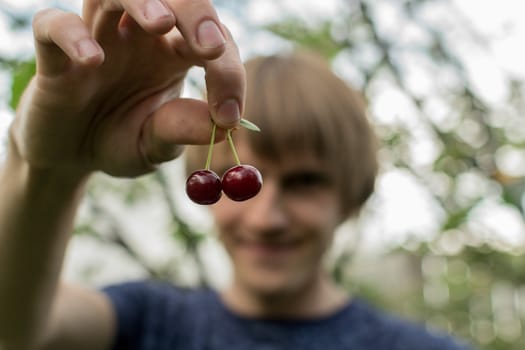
(320, 213)
(226, 214)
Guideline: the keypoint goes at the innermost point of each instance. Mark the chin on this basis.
(271, 285)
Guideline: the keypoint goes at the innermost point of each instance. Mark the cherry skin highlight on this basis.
(241, 182)
(204, 187)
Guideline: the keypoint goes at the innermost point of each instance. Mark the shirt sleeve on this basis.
(129, 302)
(156, 315)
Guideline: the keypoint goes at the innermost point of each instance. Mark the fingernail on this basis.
(87, 48)
(155, 10)
(228, 113)
(209, 35)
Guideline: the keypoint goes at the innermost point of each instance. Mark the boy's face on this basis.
(277, 239)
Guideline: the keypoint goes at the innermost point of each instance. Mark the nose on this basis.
(266, 211)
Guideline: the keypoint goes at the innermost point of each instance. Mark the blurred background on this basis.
(443, 238)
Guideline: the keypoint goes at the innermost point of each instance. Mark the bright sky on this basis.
(401, 203)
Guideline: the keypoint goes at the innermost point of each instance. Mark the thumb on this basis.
(177, 123)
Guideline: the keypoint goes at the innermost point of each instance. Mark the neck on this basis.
(317, 298)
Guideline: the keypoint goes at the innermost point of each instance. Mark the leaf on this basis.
(249, 125)
(21, 77)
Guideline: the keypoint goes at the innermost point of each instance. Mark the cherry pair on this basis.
(239, 183)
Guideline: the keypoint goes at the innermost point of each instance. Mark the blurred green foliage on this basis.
(464, 280)
(22, 73)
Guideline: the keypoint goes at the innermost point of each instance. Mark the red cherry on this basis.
(241, 182)
(204, 187)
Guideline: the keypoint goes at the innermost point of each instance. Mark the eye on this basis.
(305, 180)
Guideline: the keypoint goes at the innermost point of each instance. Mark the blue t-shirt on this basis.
(159, 316)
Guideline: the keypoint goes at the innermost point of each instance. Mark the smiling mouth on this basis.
(268, 248)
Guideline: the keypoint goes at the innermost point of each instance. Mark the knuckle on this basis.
(51, 20)
(42, 16)
(106, 5)
(229, 70)
(234, 73)
(90, 4)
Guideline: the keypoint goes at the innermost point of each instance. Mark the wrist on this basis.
(59, 181)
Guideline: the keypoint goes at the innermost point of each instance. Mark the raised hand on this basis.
(106, 92)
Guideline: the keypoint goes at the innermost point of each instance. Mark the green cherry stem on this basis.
(210, 148)
(232, 146)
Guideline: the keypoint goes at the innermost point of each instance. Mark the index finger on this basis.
(199, 24)
(226, 86)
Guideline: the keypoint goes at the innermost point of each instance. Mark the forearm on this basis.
(37, 210)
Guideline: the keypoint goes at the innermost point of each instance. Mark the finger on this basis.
(199, 24)
(112, 28)
(154, 16)
(226, 85)
(179, 122)
(62, 38)
(131, 30)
